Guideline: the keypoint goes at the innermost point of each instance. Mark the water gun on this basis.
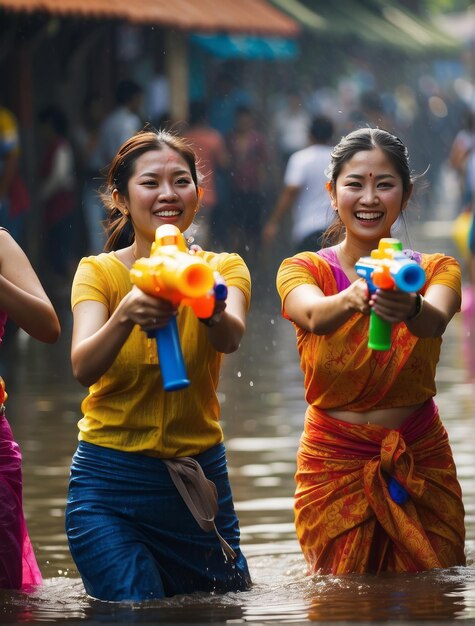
(172, 273)
(388, 268)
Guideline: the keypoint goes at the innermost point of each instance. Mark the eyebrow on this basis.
(361, 177)
(178, 172)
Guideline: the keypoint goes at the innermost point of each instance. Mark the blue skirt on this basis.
(133, 538)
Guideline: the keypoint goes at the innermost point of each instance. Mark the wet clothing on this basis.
(339, 369)
(124, 407)
(132, 535)
(346, 519)
(130, 531)
(18, 567)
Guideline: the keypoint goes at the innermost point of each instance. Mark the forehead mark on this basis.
(371, 174)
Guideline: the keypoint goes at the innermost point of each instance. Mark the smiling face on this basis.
(369, 195)
(160, 191)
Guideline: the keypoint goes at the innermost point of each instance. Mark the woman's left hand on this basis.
(215, 318)
(393, 306)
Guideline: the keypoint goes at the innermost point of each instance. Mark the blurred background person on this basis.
(117, 126)
(304, 191)
(290, 126)
(250, 164)
(227, 96)
(85, 139)
(370, 112)
(14, 197)
(157, 94)
(462, 160)
(123, 122)
(213, 157)
(56, 194)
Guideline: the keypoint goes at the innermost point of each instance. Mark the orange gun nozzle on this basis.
(171, 272)
(382, 278)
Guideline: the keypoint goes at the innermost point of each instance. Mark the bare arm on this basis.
(458, 154)
(310, 309)
(284, 204)
(229, 322)
(440, 305)
(22, 296)
(97, 338)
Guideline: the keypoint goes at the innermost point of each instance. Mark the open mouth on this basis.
(369, 217)
(167, 213)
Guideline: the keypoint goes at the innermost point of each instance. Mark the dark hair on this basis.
(365, 139)
(126, 91)
(321, 128)
(55, 117)
(117, 226)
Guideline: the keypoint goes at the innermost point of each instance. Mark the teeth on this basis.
(167, 213)
(368, 216)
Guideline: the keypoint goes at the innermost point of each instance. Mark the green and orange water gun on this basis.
(388, 267)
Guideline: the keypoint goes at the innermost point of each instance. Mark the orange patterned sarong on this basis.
(345, 517)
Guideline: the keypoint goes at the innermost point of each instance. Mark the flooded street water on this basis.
(262, 412)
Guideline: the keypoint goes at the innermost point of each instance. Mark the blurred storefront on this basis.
(73, 46)
(61, 51)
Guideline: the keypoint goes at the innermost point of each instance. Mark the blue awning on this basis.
(247, 46)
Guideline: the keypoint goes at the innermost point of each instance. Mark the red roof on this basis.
(238, 16)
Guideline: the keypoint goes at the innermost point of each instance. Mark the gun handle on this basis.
(170, 356)
(379, 336)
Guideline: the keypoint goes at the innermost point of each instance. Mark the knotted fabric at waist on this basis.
(344, 483)
(199, 494)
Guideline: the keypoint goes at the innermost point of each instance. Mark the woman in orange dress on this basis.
(377, 488)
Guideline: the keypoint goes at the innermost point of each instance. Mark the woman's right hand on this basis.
(146, 311)
(97, 338)
(358, 297)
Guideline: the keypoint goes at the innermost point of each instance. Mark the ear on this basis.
(120, 202)
(199, 191)
(407, 197)
(329, 188)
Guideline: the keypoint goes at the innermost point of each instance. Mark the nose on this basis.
(370, 195)
(167, 193)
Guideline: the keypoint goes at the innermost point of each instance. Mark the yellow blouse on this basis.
(127, 408)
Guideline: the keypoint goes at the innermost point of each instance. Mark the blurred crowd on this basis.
(244, 149)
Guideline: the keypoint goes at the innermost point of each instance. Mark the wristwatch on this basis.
(418, 309)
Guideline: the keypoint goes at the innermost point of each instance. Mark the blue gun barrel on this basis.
(169, 349)
(170, 356)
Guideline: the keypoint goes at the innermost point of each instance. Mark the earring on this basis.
(126, 211)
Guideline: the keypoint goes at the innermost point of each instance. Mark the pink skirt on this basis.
(18, 566)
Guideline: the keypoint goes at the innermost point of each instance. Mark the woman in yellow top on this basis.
(376, 482)
(140, 512)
